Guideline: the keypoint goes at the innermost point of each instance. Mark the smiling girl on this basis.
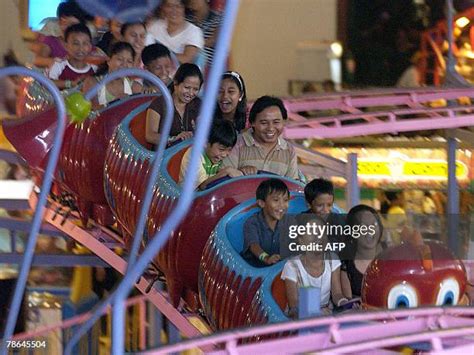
(232, 100)
(186, 85)
(135, 33)
(313, 269)
(122, 56)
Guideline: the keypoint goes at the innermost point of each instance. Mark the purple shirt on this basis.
(57, 48)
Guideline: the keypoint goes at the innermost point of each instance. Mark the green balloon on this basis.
(78, 108)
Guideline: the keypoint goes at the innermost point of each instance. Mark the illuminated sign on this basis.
(408, 169)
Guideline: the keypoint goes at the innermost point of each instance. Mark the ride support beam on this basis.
(352, 190)
(452, 215)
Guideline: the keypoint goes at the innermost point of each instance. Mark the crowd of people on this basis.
(177, 45)
(337, 274)
(71, 47)
(170, 46)
(178, 48)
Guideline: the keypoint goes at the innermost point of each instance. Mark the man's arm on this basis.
(189, 54)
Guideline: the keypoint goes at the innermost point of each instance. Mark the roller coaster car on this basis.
(126, 170)
(105, 163)
(81, 162)
(110, 152)
(415, 275)
(233, 293)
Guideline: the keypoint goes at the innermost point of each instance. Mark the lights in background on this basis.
(462, 22)
(334, 55)
(335, 50)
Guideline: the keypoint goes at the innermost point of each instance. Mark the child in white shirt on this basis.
(313, 269)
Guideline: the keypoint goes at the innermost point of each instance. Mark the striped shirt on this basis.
(209, 26)
(281, 160)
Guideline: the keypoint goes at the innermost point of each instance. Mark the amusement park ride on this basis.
(110, 190)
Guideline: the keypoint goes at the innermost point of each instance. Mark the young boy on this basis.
(69, 72)
(319, 195)
(221, 141)
(48, 48)
(157, 60)
(264, 231)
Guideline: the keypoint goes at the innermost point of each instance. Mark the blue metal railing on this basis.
(40, 207)
(187, 193)
(148, 193)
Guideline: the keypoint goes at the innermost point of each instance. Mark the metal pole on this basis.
(453, 79)
(353, 190)
(173, 334)
(452, 215)
(450, 65)
(155, 321)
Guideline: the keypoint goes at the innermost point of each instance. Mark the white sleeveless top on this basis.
(295, 271)
(104, 96)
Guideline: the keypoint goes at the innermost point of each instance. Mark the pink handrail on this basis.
(394, 124)
(347, 101)
(433, 336)
(431, 112)
(391, 119)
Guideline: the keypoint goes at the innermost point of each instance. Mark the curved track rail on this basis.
(429, 329)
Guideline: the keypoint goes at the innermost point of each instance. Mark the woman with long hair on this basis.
(232, 100)
(186, 85)
(365, 242)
